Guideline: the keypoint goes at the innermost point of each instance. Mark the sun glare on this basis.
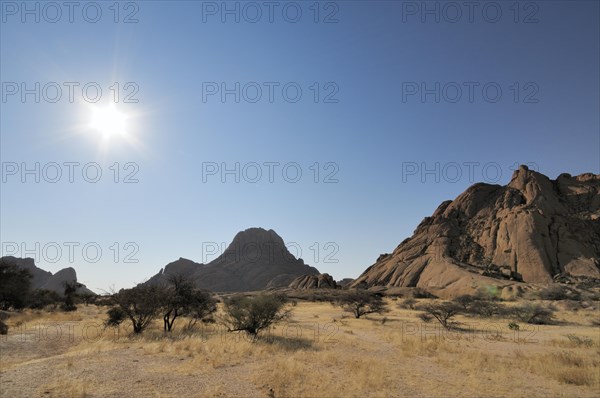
(108, 121)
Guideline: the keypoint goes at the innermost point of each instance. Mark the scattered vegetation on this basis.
(533, 313)
(15, 284)
(140, 304)
(514, 326)
(421, 293)
(69, 296)
(253, 314)
(408, 304)
(43, 298)
(559, 292)
(443, 312)
(181, 297)
(361, 302)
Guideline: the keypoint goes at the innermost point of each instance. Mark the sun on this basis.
(108, 121)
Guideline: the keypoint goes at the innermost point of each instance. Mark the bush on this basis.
(533, 313)
(15, 284)
(3, 328)
(464, 301)
(580, 341)
(443, 312)
(70, 294)
(425, 317)
(140, 304)
(421, 293)
(559, 292)
(115, 317)
(253, 314)
(486, 308)
(408, 304)
(182, 298)
(361, 302)
(42, 298)
(513, 326)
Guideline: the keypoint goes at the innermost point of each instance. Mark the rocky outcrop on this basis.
(256, 259)
(42, 279)
(320, 281)
(531, 230)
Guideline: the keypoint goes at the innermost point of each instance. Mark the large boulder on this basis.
(320, 281)
(529, 231)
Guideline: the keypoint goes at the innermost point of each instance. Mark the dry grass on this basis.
(318, 353)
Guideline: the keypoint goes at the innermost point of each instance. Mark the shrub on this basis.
(443, 312)
(15, 284)
(580, 341)
(533, 313)
(183, 298)
(464, 301)
(408, 304)
(140, 304)
(425, 317)
(253, 314)
(421, 293)
(115, 316)
(70, 293)
(513, 326)
(361, 302)
(559, 292)
(42, 298)
(486, 308)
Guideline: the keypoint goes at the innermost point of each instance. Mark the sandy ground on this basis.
(319, 352)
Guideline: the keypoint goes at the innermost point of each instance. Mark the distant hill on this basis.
(256, 259)
(42, 279)
(534, 230)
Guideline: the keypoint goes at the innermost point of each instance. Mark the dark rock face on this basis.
(256, 259)
(42, 279)
(320, 281)
(531, 230)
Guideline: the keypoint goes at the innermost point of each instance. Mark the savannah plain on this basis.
(319, 351)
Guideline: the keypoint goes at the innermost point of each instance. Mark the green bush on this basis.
(253, 314)
(115, 317)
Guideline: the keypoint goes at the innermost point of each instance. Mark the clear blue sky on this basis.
(370, 61)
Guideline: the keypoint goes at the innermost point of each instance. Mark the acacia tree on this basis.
(182, 298)
(253, 314)
(443, 312)
(140, 304)
(361, 302)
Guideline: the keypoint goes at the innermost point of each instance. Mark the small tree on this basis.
(361, 302)
(140, 304)
(183, 298)
(70, 293)
(443, 312)
(533, 313)
(15, 284)
(464, 301)
(253, 314)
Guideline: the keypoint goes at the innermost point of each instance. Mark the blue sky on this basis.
(370, 133)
